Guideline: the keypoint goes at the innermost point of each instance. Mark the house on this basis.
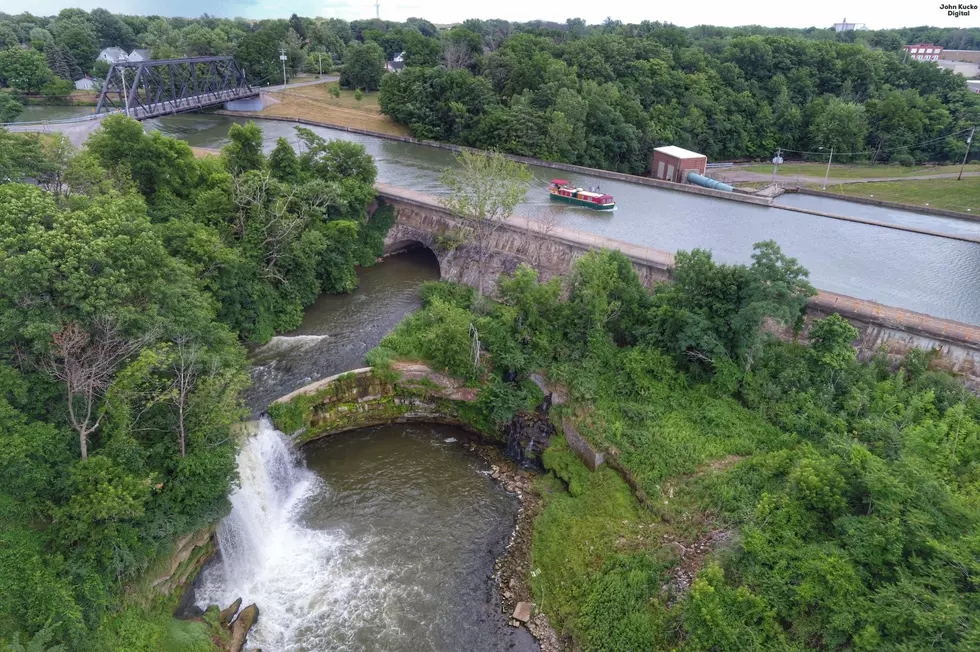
(86, 83)
(848, 27)
(139, 55)
(112, 55)
(973, 85)
(671, 163)
(924, 51)
(396, 64)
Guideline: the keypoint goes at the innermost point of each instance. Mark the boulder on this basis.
(240, 628)
(522, 611)
(227, 614)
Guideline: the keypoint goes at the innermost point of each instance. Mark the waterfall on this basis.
(267, 556)
(272, 483)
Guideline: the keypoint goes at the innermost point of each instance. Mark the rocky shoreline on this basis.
(512, 569)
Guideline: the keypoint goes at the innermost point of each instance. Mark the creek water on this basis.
(339, 329)
(373, 540)
(378, 539)
(928, 274)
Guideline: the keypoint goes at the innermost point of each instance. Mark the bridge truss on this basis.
(148, 89)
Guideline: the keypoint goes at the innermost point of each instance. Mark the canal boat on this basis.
(562, 190)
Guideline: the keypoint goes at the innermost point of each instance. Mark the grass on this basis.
(856, 171)
(946, 194)
(318, 104)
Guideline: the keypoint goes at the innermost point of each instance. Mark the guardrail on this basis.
(719, 165)
(62, 121)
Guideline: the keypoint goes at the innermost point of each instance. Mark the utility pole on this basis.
(282, 57)
(776, 161)
(377, 9)
(827, 176)
(969, 140)
(320, 57)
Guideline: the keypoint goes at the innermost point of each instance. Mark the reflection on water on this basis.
(917, 272)
(339, 329)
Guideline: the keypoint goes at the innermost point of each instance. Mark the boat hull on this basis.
(582, 202)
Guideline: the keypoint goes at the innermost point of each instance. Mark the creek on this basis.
(376, 539)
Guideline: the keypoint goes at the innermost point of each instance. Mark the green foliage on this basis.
(10, 108)
(244, 152)
(26, 71)
(140, 268)
(850, 502)
(364, 66)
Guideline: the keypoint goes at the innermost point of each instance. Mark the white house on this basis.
(396, 64)
(139, 55)
(112, 55)
(86, 83)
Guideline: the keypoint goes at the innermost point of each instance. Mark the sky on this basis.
(876, 14)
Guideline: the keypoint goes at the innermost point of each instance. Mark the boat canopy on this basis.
(560, 182)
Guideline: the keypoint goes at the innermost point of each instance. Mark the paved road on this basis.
(736, 175)
(322, 80)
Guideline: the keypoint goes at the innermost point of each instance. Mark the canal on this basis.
(917, 272)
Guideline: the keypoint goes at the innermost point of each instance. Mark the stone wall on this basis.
(420, 219)
(361, 398)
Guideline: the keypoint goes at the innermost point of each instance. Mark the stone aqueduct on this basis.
(422, 221)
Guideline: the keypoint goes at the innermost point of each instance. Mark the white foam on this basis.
(314, 589)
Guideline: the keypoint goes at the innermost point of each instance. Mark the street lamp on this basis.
(827, 176)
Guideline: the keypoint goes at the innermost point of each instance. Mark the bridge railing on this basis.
(146, 89)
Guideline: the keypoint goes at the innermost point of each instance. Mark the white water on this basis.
(267, 556)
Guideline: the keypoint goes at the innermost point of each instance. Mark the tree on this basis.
(485, 189)
(283, 164)
(422, 51)
(78, 37)
(10, 108)
(26, 71)
(86, 362)
(364, 66)
(842, 126)
(244, 152)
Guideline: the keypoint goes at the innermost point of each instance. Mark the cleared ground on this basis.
(854, 172)
(317, 103)
(946, 193)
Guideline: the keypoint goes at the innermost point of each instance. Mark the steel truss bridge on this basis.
(148, 89)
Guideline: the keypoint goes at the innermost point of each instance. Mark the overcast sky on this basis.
(877, 14)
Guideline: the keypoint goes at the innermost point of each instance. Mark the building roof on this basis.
(678, 152)
(923, 45)
(145, 54)
(114, 53)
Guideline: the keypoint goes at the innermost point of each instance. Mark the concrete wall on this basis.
(552, 251)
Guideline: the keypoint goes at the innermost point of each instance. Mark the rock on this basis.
(240, 628)
(227, 614)
(522, 611)
(515, 623)
(508, 595)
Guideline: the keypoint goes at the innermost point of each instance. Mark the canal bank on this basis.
(914, 271)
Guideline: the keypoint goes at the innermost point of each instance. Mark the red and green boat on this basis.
(562, 190)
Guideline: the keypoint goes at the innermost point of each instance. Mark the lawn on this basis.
(316, 103)
(948, 194)
(818, 170)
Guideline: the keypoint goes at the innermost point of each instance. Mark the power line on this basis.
(884, 149)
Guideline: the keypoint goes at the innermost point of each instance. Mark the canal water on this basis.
(918, 272)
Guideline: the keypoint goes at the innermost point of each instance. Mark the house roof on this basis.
(396, 65)
(114, 53)
(142, 52)
(678, 152)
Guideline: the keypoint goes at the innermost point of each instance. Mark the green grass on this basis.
(947, 194)
(153, 628)
(857, 171)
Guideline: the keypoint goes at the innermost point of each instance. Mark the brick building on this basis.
(924, 51)
(671, 162)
